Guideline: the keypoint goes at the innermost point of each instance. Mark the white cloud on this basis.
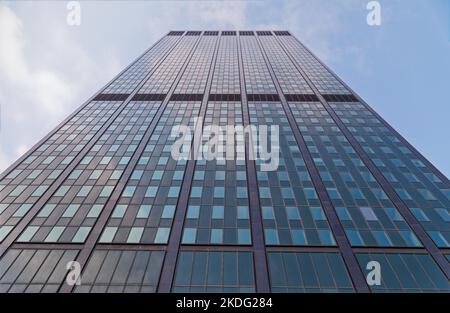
(40, 84)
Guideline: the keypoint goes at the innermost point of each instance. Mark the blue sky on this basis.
(400, 68)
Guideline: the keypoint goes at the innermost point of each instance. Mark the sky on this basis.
(401, 68)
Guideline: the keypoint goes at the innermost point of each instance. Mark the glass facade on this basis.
(105, 190)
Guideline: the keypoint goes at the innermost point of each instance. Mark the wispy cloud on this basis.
(39, 86)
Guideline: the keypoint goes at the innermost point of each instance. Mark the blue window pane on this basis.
(343, 214)
(189, 235)
(287, 193)
(81, 234)
(393, 214)
(108, 234)
(135, 234)
(445, 215)
(168, 212)
(271, 236)
(382, 238)
(334, 194)
(326, 237)
(216, 236)
(196, 192)
(244, 236)
(241, 192)
(242, 213)
(119, 211)
(310, 193)
(410, 239)
(218, 212)
(219, 192)
(298, 237)
(268, 213)
(318, 214)
(439, 239)
(368, 214)
(193, 211)
(292, 213)
(174, 192)
(162, 235)
(354, 237)
(151, 191)
(264, 192)
(144, 211)
(420, 215)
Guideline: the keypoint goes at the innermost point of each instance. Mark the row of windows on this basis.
(164, 76)
(289, 78)
(325, 82)
(366, 213)
(34, 176)
(131, 78)
(71, 212)
(257, 76)
(218, 211)
(33, 270)
(422, 191)
(226, 70)
(195, 76)
(116, 271)
(44, 270)
(292, 213)
(145, 210)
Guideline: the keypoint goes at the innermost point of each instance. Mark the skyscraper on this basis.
(349, 200)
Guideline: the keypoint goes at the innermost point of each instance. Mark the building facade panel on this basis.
(333, 187)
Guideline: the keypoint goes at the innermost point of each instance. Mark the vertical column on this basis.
(338, 231)
(260, 256)
(168, 270)
(418, 229)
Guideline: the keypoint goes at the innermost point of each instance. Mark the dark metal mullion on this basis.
(99, 225)
(173, 247)
(260, 256)
(81, 107)
(434, 169)
(343, 244)
(413, 223)
(23, 223)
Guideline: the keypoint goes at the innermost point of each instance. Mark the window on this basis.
(420, 215)
(144, 211)
(189, 235)
(218, 212)
(444, 214)
(334, 194)
(354, 237)
(343, 214)
(382, 238)
(308, 272)
(214, 271)
(393, 214)
(318, 214)
(271, 236)
(162, 235)
(368, 214)
(406, 272)
(298, 237)
(119, 211)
